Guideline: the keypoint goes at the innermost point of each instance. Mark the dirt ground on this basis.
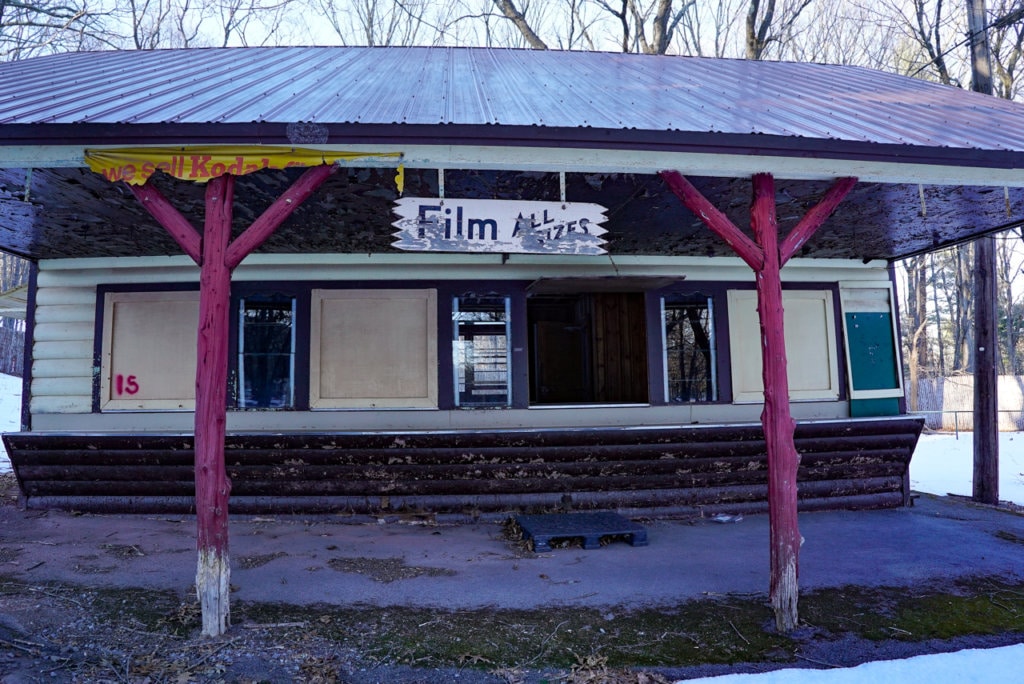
(86, 627)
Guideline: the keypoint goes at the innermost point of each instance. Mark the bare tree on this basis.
(769, 23)
(840, 33)
(44, 26)
(161, 23)
(381, 22)
(919, 358)
(709, 28)
(1007, 40)
(251, 22)
(518, 19)
(1009, 273)
(932, 45)
(647, 27)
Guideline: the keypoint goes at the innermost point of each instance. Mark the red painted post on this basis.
(776, 419)
(213, 572)
(264, 226)
(183, 232)
(766, 257)
(217, 260)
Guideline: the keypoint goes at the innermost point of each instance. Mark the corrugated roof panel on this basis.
(477, 86)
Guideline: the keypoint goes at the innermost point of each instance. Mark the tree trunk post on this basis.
(213, 573)
(986, 341)
(776, 419)
(217, 257)
(985, 487)
(766, 256)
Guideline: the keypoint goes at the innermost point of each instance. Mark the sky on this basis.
(942, 464)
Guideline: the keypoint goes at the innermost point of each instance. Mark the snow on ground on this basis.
(10, 413)
(962, 667)
(942, 464)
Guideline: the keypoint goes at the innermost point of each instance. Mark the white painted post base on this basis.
(213, 585)
(784, 598)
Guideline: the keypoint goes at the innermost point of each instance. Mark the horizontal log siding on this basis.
(685, 470)
(62, 348)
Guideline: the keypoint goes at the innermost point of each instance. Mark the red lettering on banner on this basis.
(114, 174)
(199, 168)
(264, 163)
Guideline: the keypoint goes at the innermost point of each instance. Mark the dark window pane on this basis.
(689, 350)
(266, 353)
(481, 351)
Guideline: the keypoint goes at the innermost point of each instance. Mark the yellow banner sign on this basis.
(200, 164)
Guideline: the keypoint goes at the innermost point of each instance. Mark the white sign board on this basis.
(430, 224)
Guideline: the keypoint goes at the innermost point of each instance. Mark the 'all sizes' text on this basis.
(437, 218)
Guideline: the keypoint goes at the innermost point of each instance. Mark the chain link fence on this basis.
(948, 403)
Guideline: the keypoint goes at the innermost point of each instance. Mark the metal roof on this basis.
(937, 165)
(500, 88)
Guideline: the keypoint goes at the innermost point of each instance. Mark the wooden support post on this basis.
(986, 317)
(212, 487)
(766, 257)
(217, 256)
(183, 232)
(776, 418)
(985, 486)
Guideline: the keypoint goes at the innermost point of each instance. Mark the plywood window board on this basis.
(812, 367)
(373, 349)
(149, 350)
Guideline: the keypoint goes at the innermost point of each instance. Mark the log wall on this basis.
(691, 470)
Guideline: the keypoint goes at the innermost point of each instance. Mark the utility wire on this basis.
(1001, 22)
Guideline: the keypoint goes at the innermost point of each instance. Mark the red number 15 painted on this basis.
(126, 384)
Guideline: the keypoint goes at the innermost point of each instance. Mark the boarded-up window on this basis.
(149, 350)
(812, 367)
(373, 348)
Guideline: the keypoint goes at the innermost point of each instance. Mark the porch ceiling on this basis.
(72, 212)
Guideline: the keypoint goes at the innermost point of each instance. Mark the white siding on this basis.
(66, 310)
(62, 347)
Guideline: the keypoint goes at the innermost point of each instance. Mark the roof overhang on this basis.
(555, 150)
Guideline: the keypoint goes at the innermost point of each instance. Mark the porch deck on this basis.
(677, 470)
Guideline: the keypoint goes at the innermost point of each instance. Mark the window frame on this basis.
(712, 339)
(507, 324)
(106, 299)
(738, 324)
(236, 378)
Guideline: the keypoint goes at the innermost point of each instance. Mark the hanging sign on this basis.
(428, 224)
(201, 163)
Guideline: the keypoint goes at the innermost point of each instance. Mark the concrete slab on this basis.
(339, 560)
